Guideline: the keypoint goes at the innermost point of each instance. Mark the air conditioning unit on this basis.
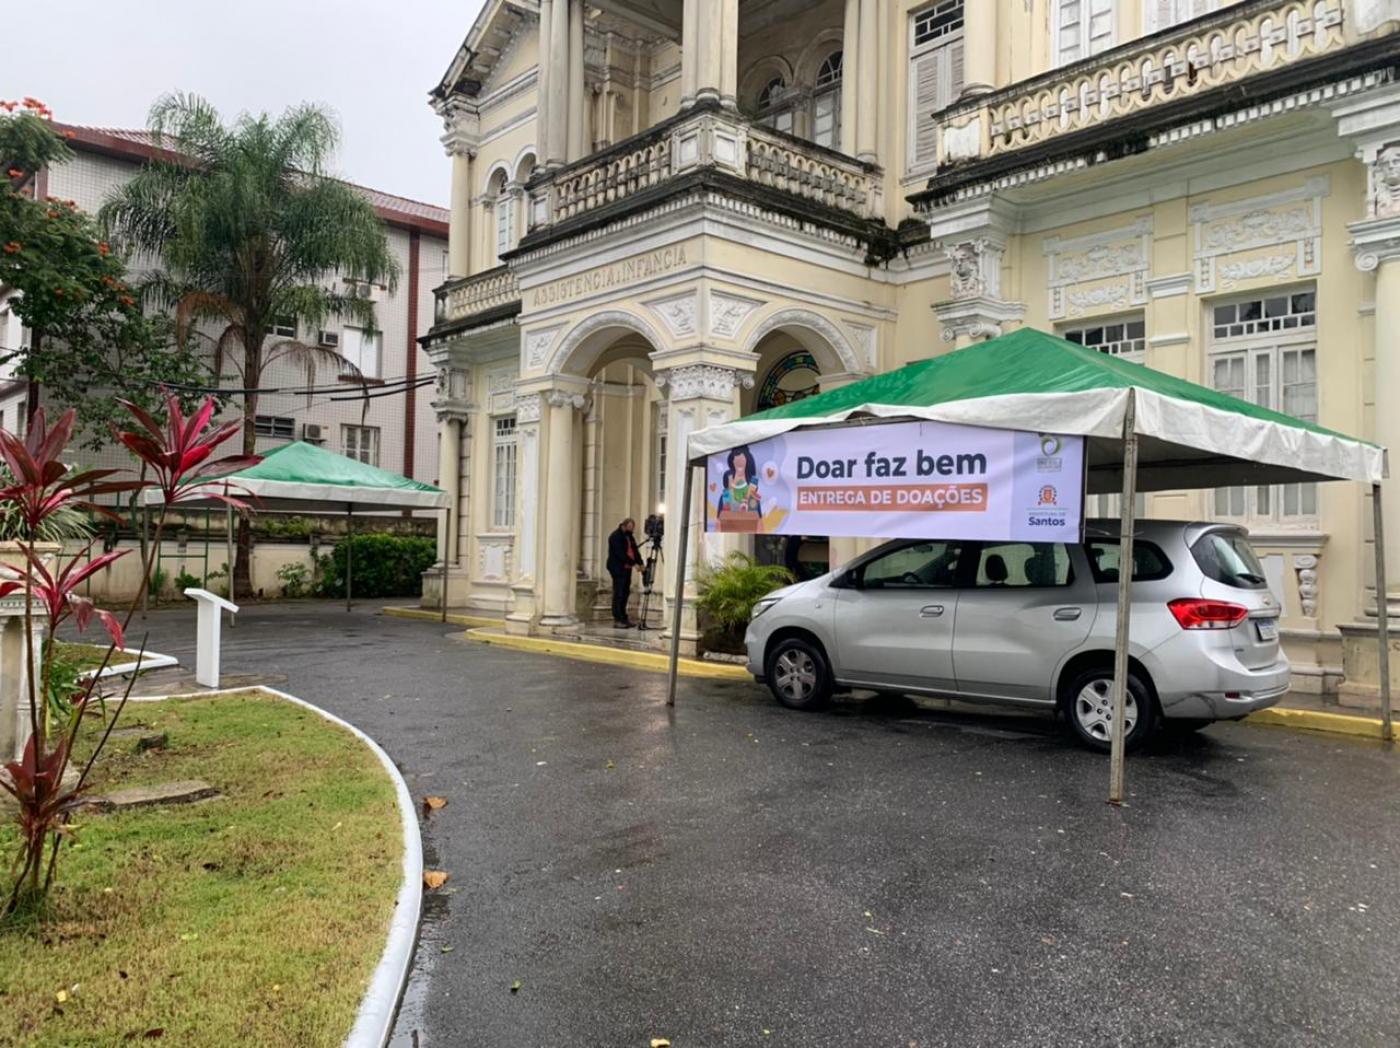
(311, 433)
(328, 339)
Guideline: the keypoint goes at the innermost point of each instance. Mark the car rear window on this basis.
(1150, 564)
(1227, 557)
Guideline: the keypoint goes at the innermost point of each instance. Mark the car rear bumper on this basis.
(1233, 694)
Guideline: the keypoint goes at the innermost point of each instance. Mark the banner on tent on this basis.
(901, 480)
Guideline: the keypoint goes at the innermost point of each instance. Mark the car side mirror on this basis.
(848, 579)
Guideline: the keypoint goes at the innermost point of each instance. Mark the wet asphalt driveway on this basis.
(737, 874)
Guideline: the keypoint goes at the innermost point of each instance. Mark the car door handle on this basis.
(930, 611)
(1067, 614)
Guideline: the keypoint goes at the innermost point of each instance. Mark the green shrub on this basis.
(384, 566)
(295, 579)
(185, 580)
(158, 581)
(729, 592)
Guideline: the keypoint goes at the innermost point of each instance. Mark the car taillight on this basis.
(1194, 613)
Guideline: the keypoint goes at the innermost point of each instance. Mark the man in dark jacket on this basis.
(623, 558)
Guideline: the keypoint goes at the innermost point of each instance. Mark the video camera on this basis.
(655, 528)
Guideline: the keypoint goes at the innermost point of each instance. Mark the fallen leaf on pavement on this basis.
(434, 878)
(515, 986)
(432, 803)
(660, 1042)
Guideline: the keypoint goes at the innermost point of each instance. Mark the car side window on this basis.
(1021, 565)
(1150, 564)
(924, 565)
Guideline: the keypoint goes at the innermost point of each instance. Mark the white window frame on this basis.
(1262, 354)
(505, 206)
(360, 443)
(661, 450)
(364, 349)
(1087, 43)
(1126, 348)
(282, 327)
(504, 471)
(942, 54)
(825, 94)
(278, 427)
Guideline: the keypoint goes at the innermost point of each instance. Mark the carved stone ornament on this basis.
(677, 313)
(527, 408)
(728, 313)
(710, 381)
(566, 398)
(1385, 183)
(537, 345)
(974, 268)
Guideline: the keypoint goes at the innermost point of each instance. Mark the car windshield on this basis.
(1226, 556)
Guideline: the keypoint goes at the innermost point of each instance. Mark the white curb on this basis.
(375, 1020)
(150, 661)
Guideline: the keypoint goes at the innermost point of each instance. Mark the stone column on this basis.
(867, 88)
(543, 84)
(576, 132)
(710, 31)
(979, 48)
(1376, 241)
(698, 395)
(729, 54)
(690, 54)
(461, 139)
(850, 76)
(561, 502)
(452, 404)
(558, 56)
(529, 505)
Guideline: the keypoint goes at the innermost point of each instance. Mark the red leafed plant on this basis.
(179, 454)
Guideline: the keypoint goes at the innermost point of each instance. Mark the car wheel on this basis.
(798, 675)
(1089, 709)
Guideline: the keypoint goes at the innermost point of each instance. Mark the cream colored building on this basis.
(666, 214)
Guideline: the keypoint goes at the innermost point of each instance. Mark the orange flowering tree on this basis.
(89, 340)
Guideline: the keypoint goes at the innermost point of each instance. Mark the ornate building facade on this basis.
(669, 213)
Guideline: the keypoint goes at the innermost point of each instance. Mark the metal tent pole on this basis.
(682, 552)
(228, 551)
(1382, 617)
(349, 552)
(1125, 597)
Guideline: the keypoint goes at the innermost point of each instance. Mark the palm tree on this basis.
(249, 229)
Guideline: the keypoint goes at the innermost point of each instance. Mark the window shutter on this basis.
(1100, 26)
(1069, 31)
(957, 78)
(925, 80)
(1161, 14)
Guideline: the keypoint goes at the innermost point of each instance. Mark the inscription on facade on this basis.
(642, 267)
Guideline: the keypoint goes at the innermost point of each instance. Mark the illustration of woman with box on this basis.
(739, 508)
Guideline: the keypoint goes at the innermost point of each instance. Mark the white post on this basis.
(349, 552)
(679, 606)
(1382, 616)
(211, 609)
(1125, 597)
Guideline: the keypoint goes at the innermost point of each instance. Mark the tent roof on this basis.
(1189, 436)
(305, 478)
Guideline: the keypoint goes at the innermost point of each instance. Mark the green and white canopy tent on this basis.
(1144, 431)
(302, 478)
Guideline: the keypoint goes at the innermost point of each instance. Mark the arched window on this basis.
(826, 103)
(772, 110)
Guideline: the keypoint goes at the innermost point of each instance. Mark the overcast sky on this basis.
(103, 64)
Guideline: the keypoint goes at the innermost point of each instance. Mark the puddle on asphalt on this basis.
(410, 1025)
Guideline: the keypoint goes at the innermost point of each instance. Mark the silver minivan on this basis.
(1032, 624)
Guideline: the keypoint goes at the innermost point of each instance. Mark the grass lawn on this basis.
(255, 918)
(88, 656)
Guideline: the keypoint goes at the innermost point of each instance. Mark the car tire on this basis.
(798, 675)
(1088, 705)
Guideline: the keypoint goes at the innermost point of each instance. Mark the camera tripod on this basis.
(654, 554)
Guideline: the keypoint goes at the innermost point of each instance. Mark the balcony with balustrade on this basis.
(480, 300)
(715, 153)
(1246, 57)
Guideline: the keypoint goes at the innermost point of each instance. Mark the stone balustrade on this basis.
(1245, 40)
(705, 139)
(476, 294)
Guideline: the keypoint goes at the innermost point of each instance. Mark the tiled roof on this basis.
(140, 144)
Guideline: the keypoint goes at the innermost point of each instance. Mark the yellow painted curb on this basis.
(1317, 720)
(453, 618)
(638, 660)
